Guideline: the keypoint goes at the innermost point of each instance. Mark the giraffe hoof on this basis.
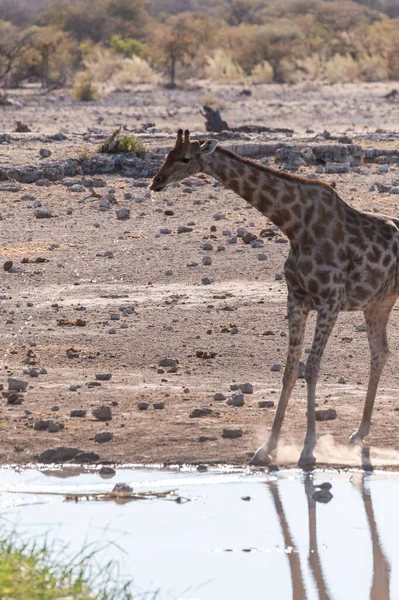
(261, 458)
(356, 439)
(307, 461)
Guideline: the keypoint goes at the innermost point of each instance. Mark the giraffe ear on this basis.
(209, 146)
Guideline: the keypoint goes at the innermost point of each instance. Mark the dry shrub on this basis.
(221, 68)
(134, 70)
(393, 61)
(342, 69)
(262, 73)
(84, 90)
(312, 67)
(108, 67)
(373, 68)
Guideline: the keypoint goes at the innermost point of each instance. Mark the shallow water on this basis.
(279, 544)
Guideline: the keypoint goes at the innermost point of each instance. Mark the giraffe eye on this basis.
(185, 159)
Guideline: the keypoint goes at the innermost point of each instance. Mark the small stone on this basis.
(200, 412)
(261, 256)
(45, 153)
(73, 387)
(78, 413)
(102, 413)
(184, 229)
(122, 488)
(8, 265)
(143, 405)
(342, 380)
(159, 405)
(219, 216)
(332, 167)
(219, 397)
(123, 213)
(207, 260)
(301, 370)
(322, 495)
(206, 281)
(165, 231)
(54, 427)
(248, 237)
(102, 437)
(232, 433)
(41, 213)
(327, 414)
(246, 388)
(103, 376)
(383, 169)
(41, 425)
(237, 400)
(17, 385)
(207, 246)
(167, 362)
(77, 187)
(266, 404)
(276, 367)
(107, 472)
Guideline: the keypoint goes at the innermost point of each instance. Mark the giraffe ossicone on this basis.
(339, 259)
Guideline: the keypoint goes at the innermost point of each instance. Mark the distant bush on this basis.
(128, 47)
(262, 72)
(118, 144)
(221, 67)
(109, 68)
(342, 69)
(84, 90)
(373, 68)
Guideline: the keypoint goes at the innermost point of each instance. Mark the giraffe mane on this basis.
(282, 174)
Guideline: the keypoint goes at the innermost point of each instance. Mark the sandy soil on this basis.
(175, 315)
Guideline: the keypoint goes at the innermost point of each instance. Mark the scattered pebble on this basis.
(200, 412)
(102, 413)
(266, 404)
(276, 367)
(102, 437)
(246, 388)
(143, 405)
(78, 413)
(232, 433)
(326, 414)
(103, 376)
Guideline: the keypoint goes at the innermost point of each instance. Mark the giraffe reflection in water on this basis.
(380, 586)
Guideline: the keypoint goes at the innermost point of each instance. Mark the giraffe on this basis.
(339, 259)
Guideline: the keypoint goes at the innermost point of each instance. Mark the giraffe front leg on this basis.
(376, 320)
(325, 322)
(297, 315)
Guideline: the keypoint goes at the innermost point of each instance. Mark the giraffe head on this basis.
(182, 161)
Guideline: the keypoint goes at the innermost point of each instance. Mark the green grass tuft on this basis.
(118, 144)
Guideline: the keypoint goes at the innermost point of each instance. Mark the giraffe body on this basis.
(340, 259)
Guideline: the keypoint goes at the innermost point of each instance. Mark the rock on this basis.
(327, 414)
(8, 265)
(41, 213)
(246, 388)
(383, 169)
(102, 437)
(184, 229)
(207, 260)
(78, 413)
(323, 495)
(237, 400)
(332, 167)
(232, 433)
(44, 182)
(301, 370)
(77, 187)
(103, 376)
(261, 256)
(45, 153)
(104, 204)
(159, 405)
(165, 231)
(73, 387)
(219, 397)
(123, 213)
(206, 281)
(200, 412)
(276, 367)
(122, 488)
(58, 454)
(248, 237)
(167, 362)
(266, 404)
(86, 457)
(17, 385)
(107, 472)
(54, 427)
(41, 425)
(207, 246)
(219, 216)
(102, 413)
(143, 405)
(13, 398)
(342, 380)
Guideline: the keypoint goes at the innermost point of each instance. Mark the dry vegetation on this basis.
(126, 42)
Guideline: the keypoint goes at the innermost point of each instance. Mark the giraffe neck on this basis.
(289, 203)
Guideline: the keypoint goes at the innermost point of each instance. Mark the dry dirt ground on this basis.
(240, 315)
